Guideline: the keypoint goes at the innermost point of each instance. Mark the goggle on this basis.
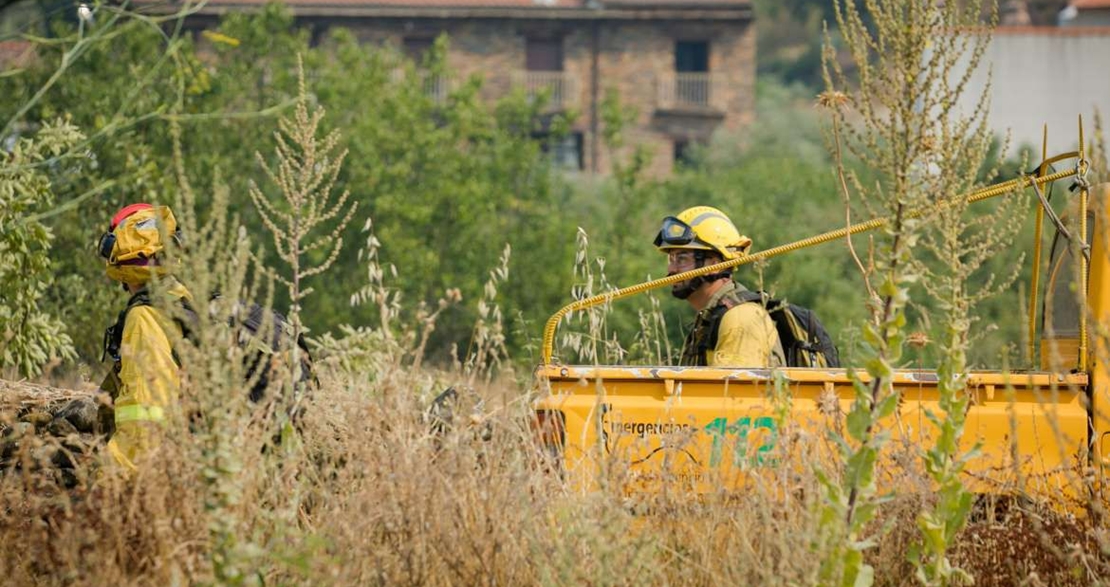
(106, 244)
(681, 257)
(675, 233)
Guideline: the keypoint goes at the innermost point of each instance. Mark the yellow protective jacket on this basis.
(147, 377)
(730, 332)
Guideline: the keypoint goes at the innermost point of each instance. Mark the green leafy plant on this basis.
(30, 336)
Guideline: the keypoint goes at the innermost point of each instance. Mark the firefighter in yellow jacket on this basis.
(729, 330)
(144, 380)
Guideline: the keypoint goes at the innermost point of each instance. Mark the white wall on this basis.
(1045, 75)
(1089, 17)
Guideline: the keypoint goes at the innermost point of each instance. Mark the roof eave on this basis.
(356, 11)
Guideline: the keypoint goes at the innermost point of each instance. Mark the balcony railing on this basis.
(560, 87)
(436, 87)
(698, 91)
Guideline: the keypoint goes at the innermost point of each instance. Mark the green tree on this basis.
(117, 84)
(449, 183)
(31, 334)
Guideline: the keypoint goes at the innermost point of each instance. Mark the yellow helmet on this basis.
(133, 244)
(702, 228)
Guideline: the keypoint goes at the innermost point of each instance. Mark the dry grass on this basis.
(18, 396)
(372, 497)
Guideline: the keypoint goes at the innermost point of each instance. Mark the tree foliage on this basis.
(449, 183)
(447, 179)
(31, 333)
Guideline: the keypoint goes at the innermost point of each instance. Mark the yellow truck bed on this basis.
(711, 428)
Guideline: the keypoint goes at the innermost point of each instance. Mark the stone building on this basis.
(685, 67)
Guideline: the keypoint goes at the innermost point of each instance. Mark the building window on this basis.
(565, 152)
(317, 34)
(543, 55)
(691, 86)
(685, 153)
(436, 86)
(417, 48)
(691, 56)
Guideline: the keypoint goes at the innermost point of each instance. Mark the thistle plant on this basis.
(900, 118)
(306, 221)
(217, 265)
(960, 246)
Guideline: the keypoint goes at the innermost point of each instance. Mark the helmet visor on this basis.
(674, 233)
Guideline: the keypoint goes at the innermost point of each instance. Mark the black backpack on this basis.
(261, 357)
(805, 341)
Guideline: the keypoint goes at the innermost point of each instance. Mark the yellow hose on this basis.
(983, 194)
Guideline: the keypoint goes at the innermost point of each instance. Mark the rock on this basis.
(83, 414)
(18, 430)
(13, 437)
(63, 459)
(37, 418)
(60, 427)
(68, 478)
(75, 444)
(105, 414)
(44, 455)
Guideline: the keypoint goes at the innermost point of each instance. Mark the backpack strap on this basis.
(752, 296)
(707, 330)
(716, 317)
(113, 336)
